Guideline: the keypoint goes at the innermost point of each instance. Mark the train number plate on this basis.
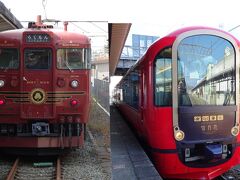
(40, 129)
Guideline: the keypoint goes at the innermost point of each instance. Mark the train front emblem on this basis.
(38, 96)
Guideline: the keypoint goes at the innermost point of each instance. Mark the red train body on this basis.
(44, 88)
(181, 98)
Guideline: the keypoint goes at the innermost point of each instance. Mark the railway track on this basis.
(24, 169)
(232, 174)
(92, 161)
(82, 163)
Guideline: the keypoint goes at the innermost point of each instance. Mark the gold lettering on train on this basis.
(220, 117)
(197, 118)
(213, 118)
(36, 82)
(206, 118)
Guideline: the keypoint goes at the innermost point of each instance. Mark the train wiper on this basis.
(227, 99)
(68, 66)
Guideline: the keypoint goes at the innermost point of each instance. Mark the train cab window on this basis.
(163, 78)
(37, 59)
(206, 71)
(9, 58)
(73, 58)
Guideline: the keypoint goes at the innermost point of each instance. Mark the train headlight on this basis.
(235, 131)
(74, 84)
(2, 83)
(179, 135)
(74, 102)
(2, 102)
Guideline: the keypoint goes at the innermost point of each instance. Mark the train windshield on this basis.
(73, 58)
(206, 71)
(9, 58)
(37, 59)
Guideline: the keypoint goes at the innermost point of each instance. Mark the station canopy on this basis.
(118, 33)
(7, 20)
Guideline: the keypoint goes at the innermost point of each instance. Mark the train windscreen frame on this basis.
(73, 58)
(37, 58)
(9, 58)
(206, 74)
(163, 78)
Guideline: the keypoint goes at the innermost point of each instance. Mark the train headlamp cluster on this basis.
(235, 130)
(74, 84)
(2, 83)
(179, 135)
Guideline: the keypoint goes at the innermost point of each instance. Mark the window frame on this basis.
(87, 64)
(234, 72)
(40, 48)
(154, 77)
(18, 57)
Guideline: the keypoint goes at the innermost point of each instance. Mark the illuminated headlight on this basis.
(74, 84)
(2, 83)
(179, 135)
(235, 131)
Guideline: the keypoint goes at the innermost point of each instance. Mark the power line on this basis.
(79, 27)
(44, 3)
(233, 28)
(99, 27)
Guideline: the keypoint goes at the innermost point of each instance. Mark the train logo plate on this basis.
(206, 118)
(38, 96)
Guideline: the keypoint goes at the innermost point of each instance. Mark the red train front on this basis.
(44, 88)
(182, 98)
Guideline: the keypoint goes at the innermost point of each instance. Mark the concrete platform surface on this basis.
(129, 161)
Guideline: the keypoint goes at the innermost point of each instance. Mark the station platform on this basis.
(129, 161)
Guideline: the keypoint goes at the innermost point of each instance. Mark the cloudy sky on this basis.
(152, 17)
(27, 10)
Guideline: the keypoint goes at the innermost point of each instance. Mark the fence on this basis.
(100, 91)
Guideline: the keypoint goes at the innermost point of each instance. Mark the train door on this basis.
(143, 98)
(37, 78)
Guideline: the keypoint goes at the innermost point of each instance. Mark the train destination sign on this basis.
(40, 38)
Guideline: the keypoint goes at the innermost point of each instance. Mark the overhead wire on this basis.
(44, 4)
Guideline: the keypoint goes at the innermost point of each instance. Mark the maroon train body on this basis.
(44, 89)
(182, 99)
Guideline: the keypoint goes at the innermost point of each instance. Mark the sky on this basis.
(27, 10)
(151, 17)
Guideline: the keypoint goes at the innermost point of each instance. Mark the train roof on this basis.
(169, 39)
(57, 35)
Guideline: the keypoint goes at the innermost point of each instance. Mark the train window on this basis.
(130, 89)
(163, 78)
(206, 71)
(9, 58)
(37, 59)
(73, 58)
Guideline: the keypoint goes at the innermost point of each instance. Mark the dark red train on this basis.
(182, 99)
(44, 88)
